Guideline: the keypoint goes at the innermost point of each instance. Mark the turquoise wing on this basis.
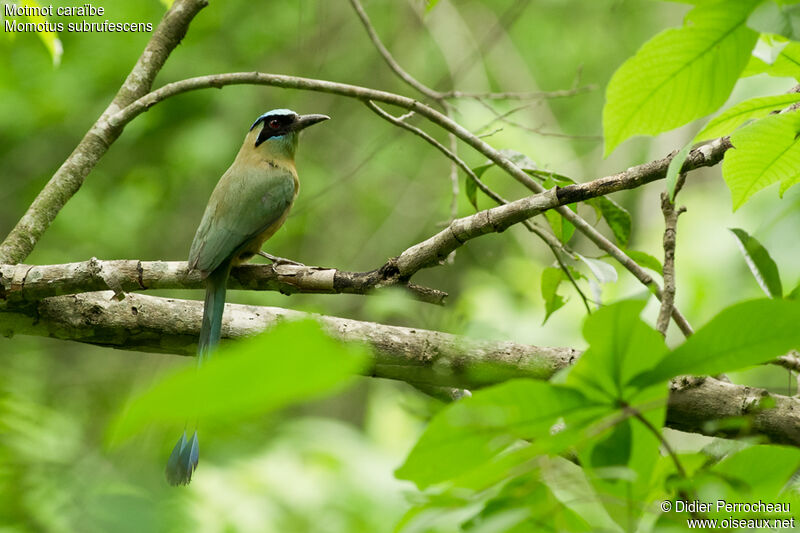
(241, 207)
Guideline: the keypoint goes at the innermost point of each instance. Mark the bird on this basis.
(248, 205)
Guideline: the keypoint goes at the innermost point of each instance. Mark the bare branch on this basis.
(387, 56)
(69, 177)
(147, 323)
(30, 283)
(695, 403)
(420, 357)
(503, 117)
(530, 95)
(671, 215)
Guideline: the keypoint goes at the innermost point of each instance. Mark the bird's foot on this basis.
(279, 260)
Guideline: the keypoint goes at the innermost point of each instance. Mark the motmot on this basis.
(249, 204)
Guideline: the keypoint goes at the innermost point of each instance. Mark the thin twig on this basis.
(671, 215)
(503, 117)
(530, 95)
(686, 496)
(387, 56)
(500, 116)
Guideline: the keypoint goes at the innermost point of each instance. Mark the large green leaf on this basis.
(765, 152)
(732, 118)
(764, 469)
(742, 335)
(681, 74)
(473, 430)
(293, 362)
(621, 346)
(787, 64)
(568, 483)
(760, 263)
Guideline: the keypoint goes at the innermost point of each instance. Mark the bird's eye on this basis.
(274, 124)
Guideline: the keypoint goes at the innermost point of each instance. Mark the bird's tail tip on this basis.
(183, 460)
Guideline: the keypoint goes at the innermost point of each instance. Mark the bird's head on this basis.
(279, 130)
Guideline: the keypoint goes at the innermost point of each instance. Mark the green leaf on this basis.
(765, 469)
(760, 263)
(765, 152)
(787, 64)
(615, 448)
(616, 216)
(568, 483)
(471, 186)
(646, 260)
(431, 5)
(556, 179)
(471, 190)
(681, 74)
(755, 65)
(604, 272)
(795, 294)
(49, 39)
(742, 335)
(293, 362)
(769, 17)
(562, 228)
(471, 431)
(732, 118)
(621, 346)
(551, 279)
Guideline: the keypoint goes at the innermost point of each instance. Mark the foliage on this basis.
(295, 442)
(610, 415)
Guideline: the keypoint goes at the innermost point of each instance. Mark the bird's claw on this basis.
(278, 260)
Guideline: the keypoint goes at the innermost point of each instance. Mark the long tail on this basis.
(186, 453)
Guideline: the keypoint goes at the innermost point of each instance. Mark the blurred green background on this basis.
(368, 192)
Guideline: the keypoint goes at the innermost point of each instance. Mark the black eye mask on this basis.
(284, 126)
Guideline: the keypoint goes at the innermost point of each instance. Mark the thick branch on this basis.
(30, 283)
(69, 177)
(152, 324)
(426, 358)
(695, 403)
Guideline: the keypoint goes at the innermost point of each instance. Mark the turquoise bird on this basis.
(248, 205)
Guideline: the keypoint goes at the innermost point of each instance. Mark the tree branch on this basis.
(69, 177)
(148, 323)
(396, 271)
(706, 155)
(671, 215)
(390, 60)
(421, 357)
(30, 283)
(695, 403)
